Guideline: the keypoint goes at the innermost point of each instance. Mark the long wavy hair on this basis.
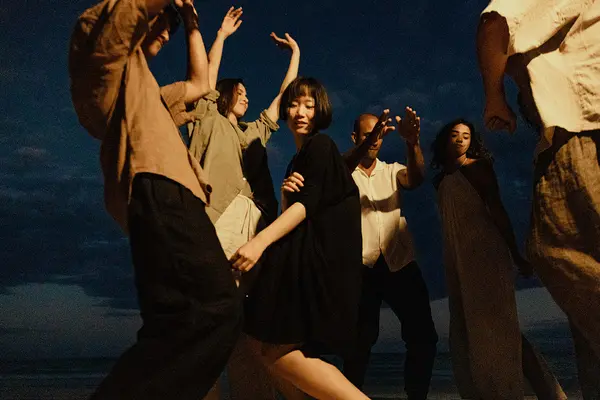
(440, 144)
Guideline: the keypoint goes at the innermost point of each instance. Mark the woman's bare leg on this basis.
(313, 376)
(535, 369)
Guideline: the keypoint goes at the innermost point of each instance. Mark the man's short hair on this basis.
(308, 87)
(360, 118)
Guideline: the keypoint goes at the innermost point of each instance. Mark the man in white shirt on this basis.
(551, 48)
(391, 272)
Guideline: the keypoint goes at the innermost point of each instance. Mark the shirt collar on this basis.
(379, 165)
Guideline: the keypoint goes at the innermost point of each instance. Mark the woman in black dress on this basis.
(305, 299)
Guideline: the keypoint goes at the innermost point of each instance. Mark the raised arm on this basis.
(231, 23)
(197, 83)
(492, 51)
(292, 73)
(353, 156)
(410, 130)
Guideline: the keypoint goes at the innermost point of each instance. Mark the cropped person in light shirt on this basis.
(551, 48)
(157, 192)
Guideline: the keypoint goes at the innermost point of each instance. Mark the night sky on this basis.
(66, 286)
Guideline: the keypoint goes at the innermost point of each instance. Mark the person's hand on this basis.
(188, 13)
(285, 43)
(292, 183)
(231, 22)
(409, 128)
(248, 255)
(382, 127)
(498, 115)
(523, 266)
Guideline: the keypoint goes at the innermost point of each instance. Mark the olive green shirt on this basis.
(219, 145)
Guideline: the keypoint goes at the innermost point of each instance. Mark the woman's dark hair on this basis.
(439, 145)
(226, 88)
(308, 87)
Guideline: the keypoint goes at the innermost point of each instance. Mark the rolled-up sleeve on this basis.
(533, 22)
(173, 96)
(109, 32)
(104, 38)
(260, 129)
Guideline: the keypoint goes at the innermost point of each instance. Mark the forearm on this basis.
(354, 155)
(284, 224)
(197, 60)
(214, 59)
(292, 72)
(492, 46)
(415, 165)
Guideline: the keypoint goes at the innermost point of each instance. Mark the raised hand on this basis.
(285, 43)
(382, 127)
(499, 116)
(409, 128)
(231, 21)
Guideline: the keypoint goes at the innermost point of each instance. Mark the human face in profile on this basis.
(157, 37)
(240, 101)
(366, 126)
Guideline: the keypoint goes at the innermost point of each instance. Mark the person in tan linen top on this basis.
(551, 50)
(157, 192)
(233, 155)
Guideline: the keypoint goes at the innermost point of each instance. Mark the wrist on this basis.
(262, 240)
(222, 35)
(413, 144)
(190, 24)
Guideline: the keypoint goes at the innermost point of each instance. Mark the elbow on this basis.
(493, 27)
(197, 88)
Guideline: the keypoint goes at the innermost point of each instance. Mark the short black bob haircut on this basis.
(226, 88)
(476, 149)
(308, 87)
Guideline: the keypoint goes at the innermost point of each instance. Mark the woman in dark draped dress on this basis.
(305, 300)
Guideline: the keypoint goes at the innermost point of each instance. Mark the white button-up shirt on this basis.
(565, 77)
(384, 228)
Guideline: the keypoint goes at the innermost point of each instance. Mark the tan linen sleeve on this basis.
(173, 96)
(104, 38)
(260, 129)
(205, 120)
(533, 22)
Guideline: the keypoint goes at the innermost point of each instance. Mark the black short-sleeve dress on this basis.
(309, 286)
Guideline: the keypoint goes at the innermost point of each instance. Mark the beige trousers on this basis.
(564, 243)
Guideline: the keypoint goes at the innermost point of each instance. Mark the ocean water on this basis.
(66, 379)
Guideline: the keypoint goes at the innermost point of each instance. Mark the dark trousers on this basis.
(189, 304)
(406, 293)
